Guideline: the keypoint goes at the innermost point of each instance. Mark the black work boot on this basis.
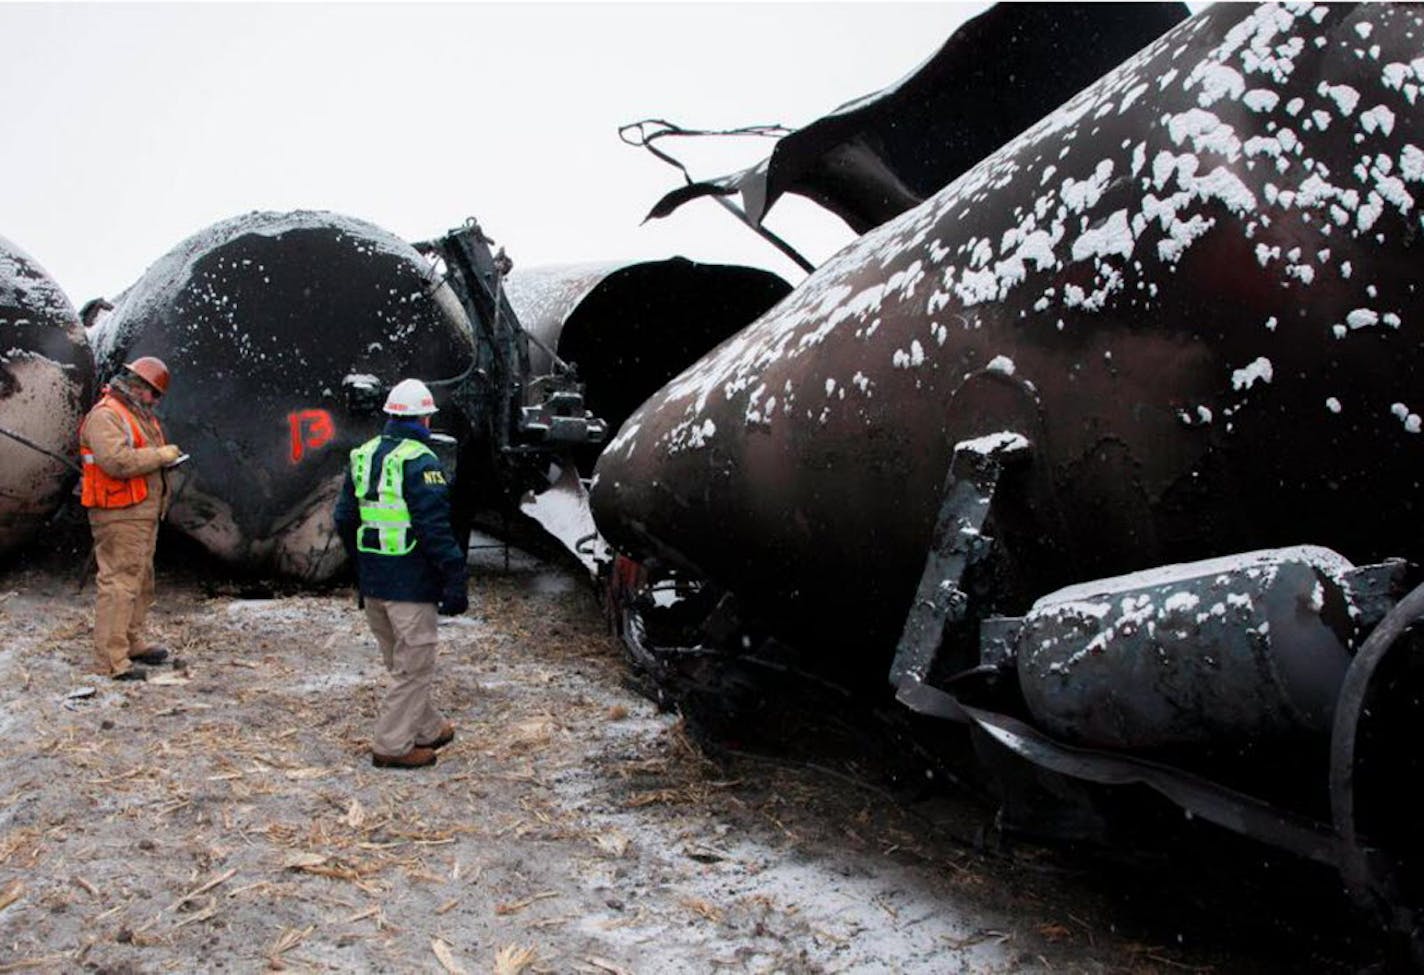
(153, 656)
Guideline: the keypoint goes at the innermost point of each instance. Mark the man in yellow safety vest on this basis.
(393, 516)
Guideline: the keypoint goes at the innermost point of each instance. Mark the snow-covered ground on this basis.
(227, 816)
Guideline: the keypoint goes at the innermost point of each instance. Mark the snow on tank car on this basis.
(1174, 325)
(1193, 288)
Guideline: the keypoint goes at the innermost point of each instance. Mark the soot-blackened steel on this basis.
(1241, 651)
(1197, 284)
(273, 324)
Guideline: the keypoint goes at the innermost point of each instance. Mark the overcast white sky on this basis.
(128, 127)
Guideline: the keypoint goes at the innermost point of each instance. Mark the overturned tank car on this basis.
(46, 381)
(1110, 450)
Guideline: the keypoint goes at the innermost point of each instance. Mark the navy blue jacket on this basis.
(436, 563)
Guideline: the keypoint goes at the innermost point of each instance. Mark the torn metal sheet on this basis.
(561, 509)
(282, 330)
(46, 383)
(880, 155)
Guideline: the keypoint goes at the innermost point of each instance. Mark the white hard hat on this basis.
(410, 397)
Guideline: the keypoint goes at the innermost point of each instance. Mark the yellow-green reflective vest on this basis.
(385, 521)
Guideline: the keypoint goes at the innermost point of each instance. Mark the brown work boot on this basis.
(417, 757)
(135, 672)
(443, 738)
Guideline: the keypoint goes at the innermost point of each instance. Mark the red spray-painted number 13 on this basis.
(310, 429)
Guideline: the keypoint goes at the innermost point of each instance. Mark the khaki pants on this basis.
(124, 551)
(406, 635)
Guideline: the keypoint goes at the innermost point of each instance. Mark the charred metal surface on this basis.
(1193, 289)
(878, 156)
(46, 382)
(998, 641)
(1374, 590)
(282, 331)
(630, 327)
(1236, 811)
(1201, 274)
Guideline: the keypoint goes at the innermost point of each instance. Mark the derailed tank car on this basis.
(1177, 320)
(283, 330)
(46, 382)
(629, 326)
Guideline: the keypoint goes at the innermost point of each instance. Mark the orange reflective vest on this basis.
(99, 489)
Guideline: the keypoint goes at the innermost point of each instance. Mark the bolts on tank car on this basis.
(559, 417)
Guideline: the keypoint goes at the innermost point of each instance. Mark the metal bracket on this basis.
(974, 473)
(1376, 589)
(1215, 803)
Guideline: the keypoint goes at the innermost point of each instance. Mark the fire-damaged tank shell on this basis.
(629, 327)
(46, 380)
(876, 157)
(282, 330)
(1193, 289)
(1248, 648)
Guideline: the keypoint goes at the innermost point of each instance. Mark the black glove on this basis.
(454, 600)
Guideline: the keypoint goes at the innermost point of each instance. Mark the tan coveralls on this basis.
(407, 636)
(124, 538)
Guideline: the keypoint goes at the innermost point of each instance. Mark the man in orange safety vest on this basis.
(124, 456)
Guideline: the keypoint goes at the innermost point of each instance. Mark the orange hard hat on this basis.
(151, 370)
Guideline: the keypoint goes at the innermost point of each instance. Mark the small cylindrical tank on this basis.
(1245, 648)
